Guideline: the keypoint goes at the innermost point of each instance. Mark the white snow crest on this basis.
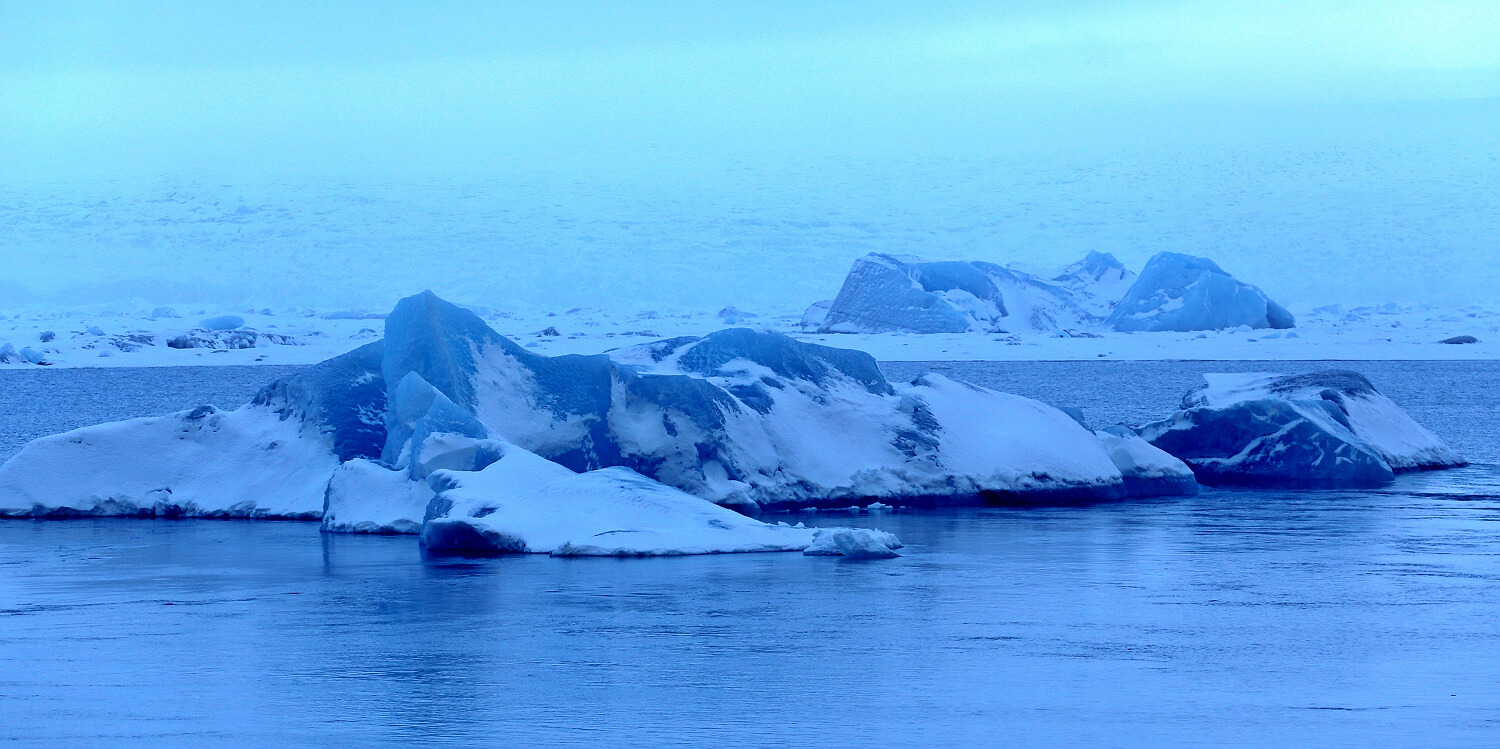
(247, 463)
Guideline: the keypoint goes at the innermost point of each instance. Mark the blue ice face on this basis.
(884, 294)
(344, 397)
(1181, 293)
(1270, 442)
(448, 366)
(417, 411)
(223, 322)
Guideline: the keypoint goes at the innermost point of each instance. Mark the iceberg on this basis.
(522, 503)
(854, 543)
(447, 429)
(1097, 282)
(248, 463)
(1374, 418)
(815, 315)
(271, 458)
(222, 322)
(228, 339)
(899, 293)
(1148, 470)
(1324, 429)
(366, 497)
(748, 419)
(888, 293)
(1271, 442)
(1183, 293)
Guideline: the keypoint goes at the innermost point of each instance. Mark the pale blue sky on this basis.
(1318, 148)
(120, 87)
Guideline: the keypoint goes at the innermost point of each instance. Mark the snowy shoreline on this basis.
(90, 338)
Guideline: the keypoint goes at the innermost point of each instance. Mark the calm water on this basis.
(1232, 618)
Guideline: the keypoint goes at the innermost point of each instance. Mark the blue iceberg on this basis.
(222, 322)
(887, 293)
(1270, 442)
(1321, 429)
(747, 419)
(897, 293)
(1181, 293)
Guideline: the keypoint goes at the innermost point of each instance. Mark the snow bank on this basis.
(1180, 293)
(1369, 414)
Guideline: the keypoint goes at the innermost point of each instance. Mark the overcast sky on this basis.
(1284, 139)
(115, 87)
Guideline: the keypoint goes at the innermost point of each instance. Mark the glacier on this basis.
(1329, 429)
(1181, 293)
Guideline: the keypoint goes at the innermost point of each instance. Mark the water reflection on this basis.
(1236, 616)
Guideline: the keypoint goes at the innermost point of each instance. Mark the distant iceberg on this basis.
(1185, 293)
(897, 293)
(1325, 429)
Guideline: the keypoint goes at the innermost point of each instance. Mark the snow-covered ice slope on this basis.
(1371, 416)
(269, 458)
(1177, 292)
(248, 463)
(522, 503)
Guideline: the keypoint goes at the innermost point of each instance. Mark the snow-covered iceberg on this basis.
(749, 419)
(1324, 429)
(271, 458)
(523, 503)
(1181, 293)
(1148, 470)
(1370, 415)
(899, 293)
(514, 501)
(247, 463)
(887, 293)
(1097, 282)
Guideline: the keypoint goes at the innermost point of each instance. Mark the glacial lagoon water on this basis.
(1229, 619)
